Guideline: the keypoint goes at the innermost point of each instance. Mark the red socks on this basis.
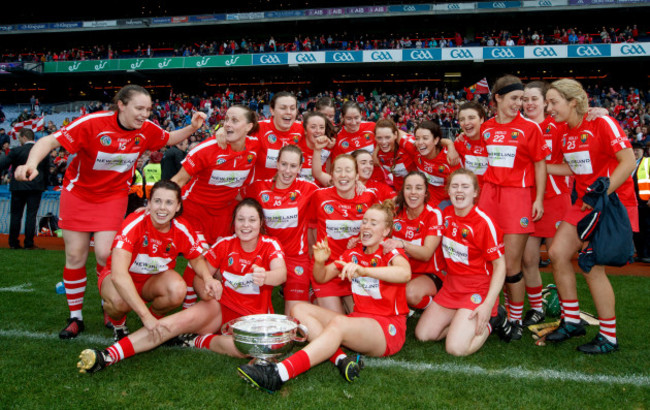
(74, 281)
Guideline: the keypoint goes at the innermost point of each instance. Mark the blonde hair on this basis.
(570, 90)
(463, 171)
(388, 208)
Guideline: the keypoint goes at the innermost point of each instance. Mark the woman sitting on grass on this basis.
(377, 327)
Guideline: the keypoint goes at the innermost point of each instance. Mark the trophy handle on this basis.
(304, 331)
(226, 329)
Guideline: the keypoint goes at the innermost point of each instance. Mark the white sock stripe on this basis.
(73, 282)
(75, 302)
(75, 291)
(607, 322)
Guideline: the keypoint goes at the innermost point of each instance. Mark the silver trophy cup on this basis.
(265, 337)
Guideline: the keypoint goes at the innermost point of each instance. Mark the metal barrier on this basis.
(49, 204)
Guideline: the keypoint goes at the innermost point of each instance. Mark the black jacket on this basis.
(18, 156)
(171, 162)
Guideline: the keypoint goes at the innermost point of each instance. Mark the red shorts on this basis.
(227, 315)
(138, 280)
(77, 214)
(509, 207)
(462, 300)
(212, 224)
(335, 287)
(554, 210)
(394, 328)
(574, 214)
(298, 273)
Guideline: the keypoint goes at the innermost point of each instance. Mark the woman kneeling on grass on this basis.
(465, 310)
(377, 327)
(249, 264)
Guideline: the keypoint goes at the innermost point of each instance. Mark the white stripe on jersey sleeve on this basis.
(490, 224)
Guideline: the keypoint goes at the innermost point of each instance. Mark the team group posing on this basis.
(358, 225)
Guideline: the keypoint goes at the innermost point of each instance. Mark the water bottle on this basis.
(60, 289)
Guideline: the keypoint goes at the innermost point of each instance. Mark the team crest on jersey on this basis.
(345, 144)
(168, 247)
(265, 197)
(272, 138)
(523, 222)
(441, 168)
(299, 270)
(249, 158)
(548, 129)
(231, 261)
(397, 226)
(221, 161)
(557, 224)
(374, 262)
(514, 135)
(446, 223)
(392, 330)
(476, 299)
(138, 140)
(328, 208)
(296, 139)
(583, 137)
(354, 259)
(367, 136)
(359, 208)
(486, 135)
(105, 140)
(293, 196)
(145, 241)
(468, 145)
(464, 233)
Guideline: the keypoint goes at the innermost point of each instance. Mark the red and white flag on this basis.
(481, 87)
(37, 124)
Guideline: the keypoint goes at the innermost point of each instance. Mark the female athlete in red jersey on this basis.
(249, 265)
(319, 133)
(355, 133)
(212, 176)
(432, 160)
(281, 129)
(93, 200)
(417, 230)
(338, 211)
(469, 144)
(514, 183)
(473, 249)
(285, 200)
(395, 159)
(557, 201)
(366, 167)
(377, 327)
(591, 149)
(141, 266)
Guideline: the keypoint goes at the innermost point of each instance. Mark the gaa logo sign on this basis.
(502, 53)
(421, 55)
(306, 58)
(409, 8)
(453, 6)
(460, 53)
(627, 50)
(498, 5)
(588, 52)
(544, 3)
(544, 52)
(343, 57)
(270, 59)
(381, 56)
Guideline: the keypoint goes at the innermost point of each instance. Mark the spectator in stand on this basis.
(172, 158)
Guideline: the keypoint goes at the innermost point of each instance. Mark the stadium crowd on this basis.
(320, 42)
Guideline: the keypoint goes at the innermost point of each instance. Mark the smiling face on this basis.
(414, 191)
(462, 192)
(163, 206)
(558, 107)
(344, 175)
(352, 120)
(426, 143)
(508, 105)
(533, 103)
(365, 165)
(284, 113)
(236, 125)
(385, 139)
(315, 127)
(135, 112)
(470, 122)
(247, 224)
(374, 228)
(288, 169)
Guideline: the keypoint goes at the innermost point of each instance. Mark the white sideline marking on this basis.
(37, 335)
(25, 287)
(512, 372)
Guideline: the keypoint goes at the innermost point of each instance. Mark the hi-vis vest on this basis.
(152, 174)
(136, 187)
(643, 178)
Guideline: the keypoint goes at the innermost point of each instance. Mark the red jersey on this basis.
(218, 174)
(152, 251)
(286, 211)
(437, 171)
(106, 154)
(397, 164)
(415, 231)
(271, 140)
(347, 142)
(513, 149)
(555, 185)
(469, 245)
(240, 294)
(307, 155)
(590, 150)
(339, 219)
(473, 156)
(374, 296)
(383, 190)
